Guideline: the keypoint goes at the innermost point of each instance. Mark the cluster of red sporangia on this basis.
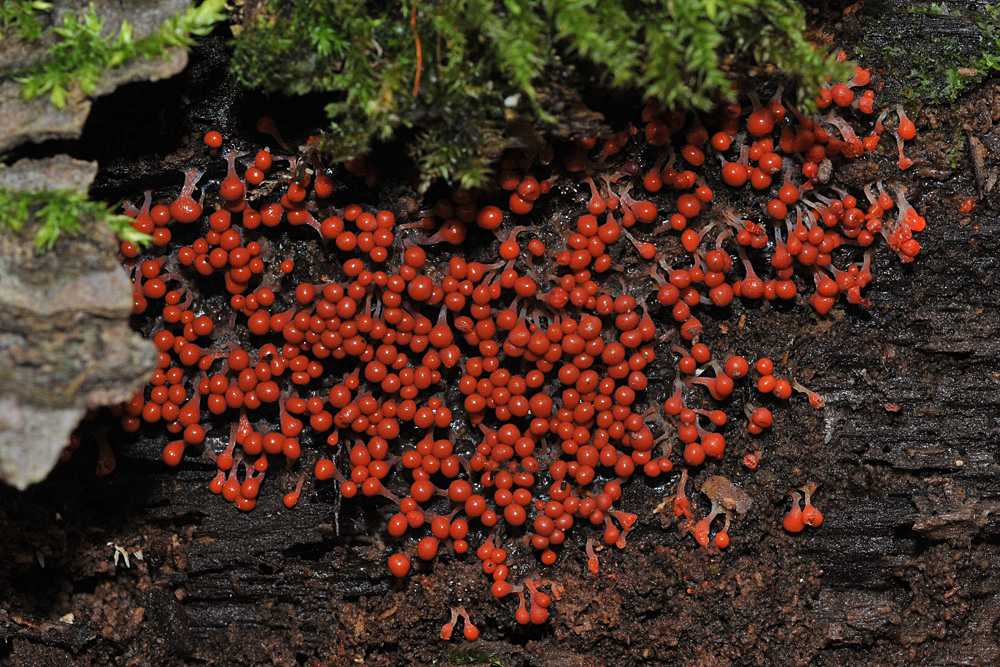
(547, 344)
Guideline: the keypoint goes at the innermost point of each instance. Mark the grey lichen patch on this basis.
(37, 120)
(51, 173)
(31, 439)
(65, 341)
(83, 50)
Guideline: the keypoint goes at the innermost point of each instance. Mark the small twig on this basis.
(420, 56)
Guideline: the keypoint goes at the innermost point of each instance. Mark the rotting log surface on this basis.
(904, 570)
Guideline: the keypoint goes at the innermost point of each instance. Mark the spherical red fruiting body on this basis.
(399, 565)
(213, 139)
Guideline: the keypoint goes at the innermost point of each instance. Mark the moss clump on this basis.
(471, 655)
(21, 17)
(60, 212)
(450, 77)
(75, 63)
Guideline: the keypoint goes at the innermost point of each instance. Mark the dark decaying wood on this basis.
(904, 570)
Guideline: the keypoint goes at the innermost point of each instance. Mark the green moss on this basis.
(933, 9)
(21, 17)
(957, 146)
(470, 655)
(60, 212)
(449, 77)
(80, 57)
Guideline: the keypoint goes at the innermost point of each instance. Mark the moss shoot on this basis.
(60, 212)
